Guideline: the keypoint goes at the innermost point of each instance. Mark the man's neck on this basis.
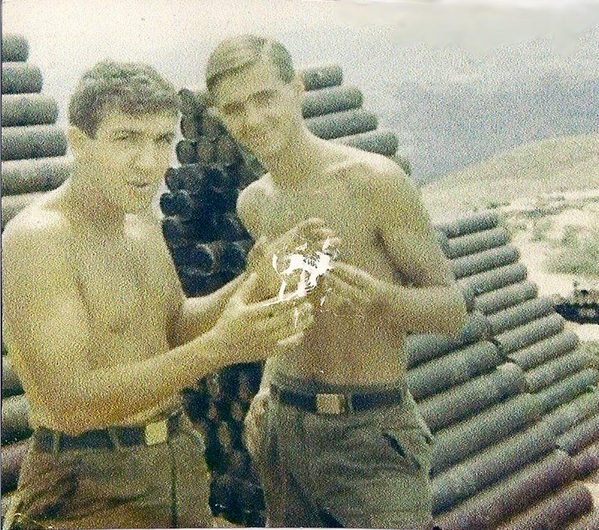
(91, 210)
(299, 163)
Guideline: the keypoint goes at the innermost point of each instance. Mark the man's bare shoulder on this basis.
(35, 252)
(37, 226)
(263, 187)
(144, 232)
(252, 200)
(372, 173)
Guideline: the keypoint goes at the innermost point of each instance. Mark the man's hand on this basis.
(307, 238)
(350, 287)
(254, 433)
(255, 331)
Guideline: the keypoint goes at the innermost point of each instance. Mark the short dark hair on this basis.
(235, 53)
(132, 88)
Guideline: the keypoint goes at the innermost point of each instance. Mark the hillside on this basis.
(548, 195)
(558, 165)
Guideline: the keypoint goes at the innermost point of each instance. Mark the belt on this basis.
(48, 440)
(338, 403)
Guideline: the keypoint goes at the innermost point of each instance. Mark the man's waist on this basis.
(151, 433)
(324, 398)
(340, 364)
(41, 417)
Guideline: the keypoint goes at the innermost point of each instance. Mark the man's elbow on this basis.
(456, 314)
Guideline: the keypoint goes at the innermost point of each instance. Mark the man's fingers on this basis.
(291, 342)
(312, 222)
(351, 275)
(245, 289)
(300, 316)
(345, 271)
(334, 243)
(338, 286)
(274, 311)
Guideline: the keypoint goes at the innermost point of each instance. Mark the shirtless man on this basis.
(335, 433)
(100, 332)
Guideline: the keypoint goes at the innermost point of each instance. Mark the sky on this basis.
(379, 44)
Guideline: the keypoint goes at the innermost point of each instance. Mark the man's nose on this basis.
(147, 156)
(253, 116)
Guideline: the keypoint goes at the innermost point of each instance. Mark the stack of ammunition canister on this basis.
(15, 428)
(33, 147)
(512, 401)
(33, 162)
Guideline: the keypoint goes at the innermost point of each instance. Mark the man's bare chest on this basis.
(341, 210)
(114, 284)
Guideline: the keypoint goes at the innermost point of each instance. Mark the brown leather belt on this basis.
(322, 403)
(48, 440)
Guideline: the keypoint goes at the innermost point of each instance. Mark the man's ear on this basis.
(78, 140)
(298, 85)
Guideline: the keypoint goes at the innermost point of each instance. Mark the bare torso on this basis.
(126, 289)
(351, 345)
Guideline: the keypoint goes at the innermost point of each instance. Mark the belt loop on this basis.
(56, 439)
(114, 439)
(349, 402)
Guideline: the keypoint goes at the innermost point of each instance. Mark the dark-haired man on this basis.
(334, 429)
(100, 333)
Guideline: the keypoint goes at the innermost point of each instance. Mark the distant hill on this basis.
(445, 127)
(569, 163)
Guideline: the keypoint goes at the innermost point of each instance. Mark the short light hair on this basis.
(241, 51)
(132, 88)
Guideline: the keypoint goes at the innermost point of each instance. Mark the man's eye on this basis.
(231, 110)
(165, 140)
(264, 98)
(124, 138)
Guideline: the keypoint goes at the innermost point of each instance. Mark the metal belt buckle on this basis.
(156, 432)
(331, 403)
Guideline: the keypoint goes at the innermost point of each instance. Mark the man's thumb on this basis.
(246, 288)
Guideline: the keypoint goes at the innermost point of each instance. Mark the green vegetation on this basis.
(576, 253)
(567, 163)
(540, 228)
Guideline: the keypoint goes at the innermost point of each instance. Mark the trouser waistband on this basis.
(343, 402)
(48, 440)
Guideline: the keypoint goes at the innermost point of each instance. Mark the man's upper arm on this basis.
(44, 315)
(154, 245)
(248, 208)
(402, 222)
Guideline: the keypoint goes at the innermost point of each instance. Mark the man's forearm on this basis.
(199, 314)
(266, 376)
(109, 395)
(430, 309)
